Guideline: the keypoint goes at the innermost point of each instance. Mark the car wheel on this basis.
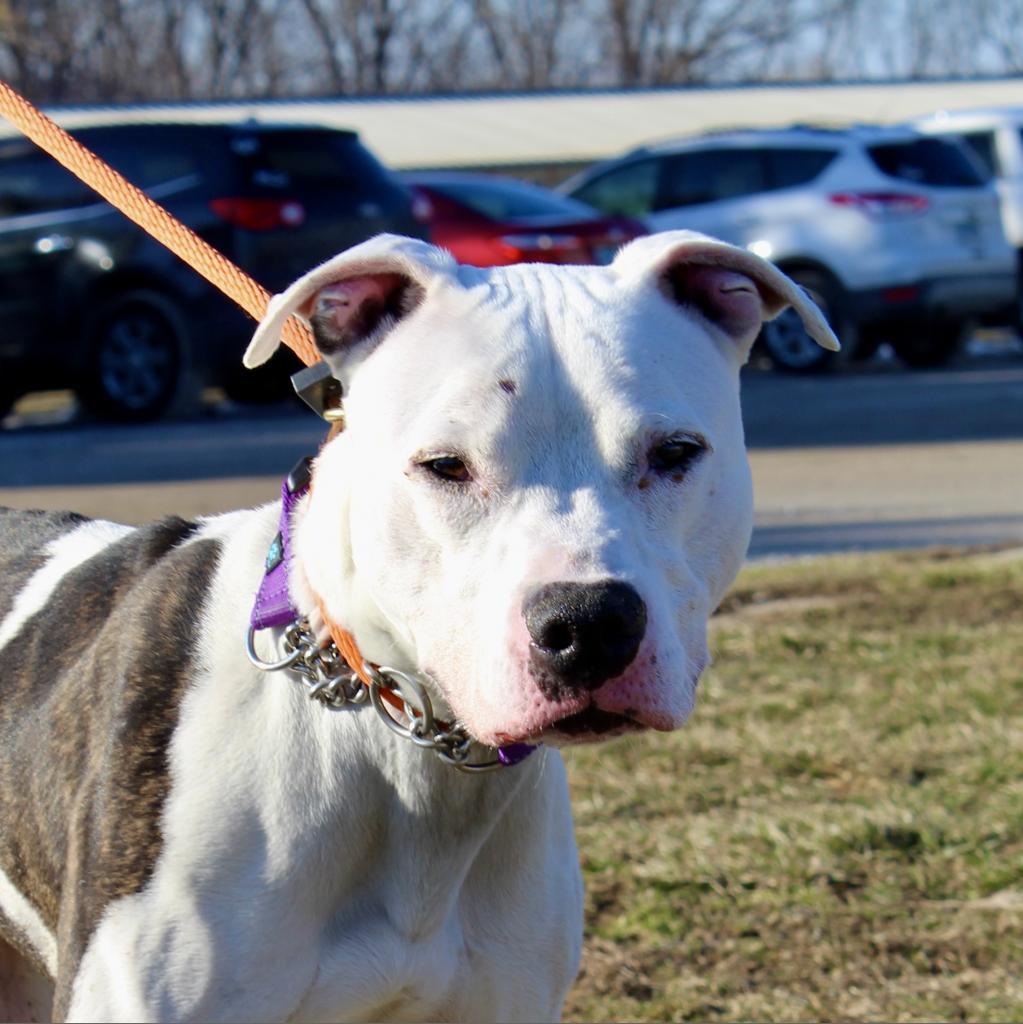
(927, 345)
(135, 344)
(785, 339)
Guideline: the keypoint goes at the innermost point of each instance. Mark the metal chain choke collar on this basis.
(329, 680)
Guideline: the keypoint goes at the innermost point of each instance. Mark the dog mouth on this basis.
(591, 723)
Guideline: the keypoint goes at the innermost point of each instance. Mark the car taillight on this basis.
(545, 248)
(259, 214)
(881, 204)
(903, 293)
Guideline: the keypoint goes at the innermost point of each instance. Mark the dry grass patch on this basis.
(838, 832)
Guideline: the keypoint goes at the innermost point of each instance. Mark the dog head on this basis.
(541, 493)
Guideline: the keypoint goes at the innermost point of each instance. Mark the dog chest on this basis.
(461, 972)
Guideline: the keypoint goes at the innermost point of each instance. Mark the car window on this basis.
(154, 158)
(309, 161)
(509, 200)
(627, 191)
(935, 162)
(33, 182)
(982, 145)
(710, 175)
(792, 167)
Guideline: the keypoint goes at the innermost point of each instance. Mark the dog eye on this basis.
(676, 454)
(448, 467)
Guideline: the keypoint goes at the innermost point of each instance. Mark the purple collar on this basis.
(273, 606)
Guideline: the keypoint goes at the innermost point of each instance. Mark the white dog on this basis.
(539, 497)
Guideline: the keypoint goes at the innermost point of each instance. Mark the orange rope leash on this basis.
(349, 650)
(184, 243)
(151, 217)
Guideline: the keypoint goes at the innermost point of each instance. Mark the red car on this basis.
(489, 222)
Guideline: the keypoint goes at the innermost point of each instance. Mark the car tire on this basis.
(784, 338)
(135, 344)
(926, 346)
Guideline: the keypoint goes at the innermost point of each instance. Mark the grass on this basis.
(837, 834)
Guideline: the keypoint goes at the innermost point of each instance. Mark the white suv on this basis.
(895, 234)
(995, 136)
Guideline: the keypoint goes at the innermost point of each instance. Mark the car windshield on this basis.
(510, 200)
(926, 162)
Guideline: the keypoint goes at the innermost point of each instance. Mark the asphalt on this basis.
(862, 460)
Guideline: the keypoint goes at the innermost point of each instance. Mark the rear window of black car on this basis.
(32, 182)
(278, 160)
(926, 162)
(155, 155)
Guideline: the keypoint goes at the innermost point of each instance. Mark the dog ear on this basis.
(734, 289)
(353, 296)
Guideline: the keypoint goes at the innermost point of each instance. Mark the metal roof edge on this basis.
(567, 93)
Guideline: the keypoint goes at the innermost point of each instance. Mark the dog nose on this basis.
(584, 633)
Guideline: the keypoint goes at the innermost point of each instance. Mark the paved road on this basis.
(872, 459)
(883, 458)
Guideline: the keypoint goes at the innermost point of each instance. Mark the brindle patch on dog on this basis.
(25, 546)
(87, 713)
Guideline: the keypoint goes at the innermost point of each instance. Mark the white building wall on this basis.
(576, 127)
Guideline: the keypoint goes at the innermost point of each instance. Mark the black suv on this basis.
(89, 301)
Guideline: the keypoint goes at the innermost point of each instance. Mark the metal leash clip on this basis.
(317, 386)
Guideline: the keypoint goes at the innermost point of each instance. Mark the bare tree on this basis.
(71, 51)
(532, 44)
(992, 31)
(237, 48)
(436, 51)
(65, 51)
(357, 37)
(41, 46)
(671, 42)
(913, 39)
